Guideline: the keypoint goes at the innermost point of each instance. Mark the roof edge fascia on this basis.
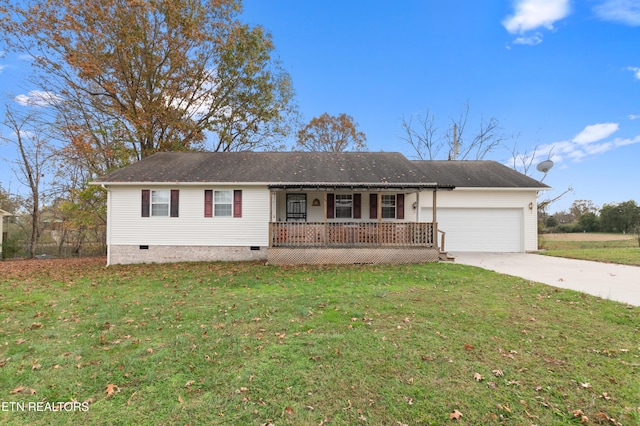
(500, 188)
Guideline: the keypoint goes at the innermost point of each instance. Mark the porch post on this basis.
(418, 207)
(324, 223)
(379, 218)
(272, 218)
(435, 219)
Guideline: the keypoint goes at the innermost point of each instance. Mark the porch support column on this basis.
(418, 207)
(272, 216)
(435, 219)
(379, 218)
(324, 223)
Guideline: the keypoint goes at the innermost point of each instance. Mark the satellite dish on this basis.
(545, 166)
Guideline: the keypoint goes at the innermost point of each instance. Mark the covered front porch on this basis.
(352, 224)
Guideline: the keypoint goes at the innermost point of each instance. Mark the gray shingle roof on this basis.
(315, 168)
(476, 174)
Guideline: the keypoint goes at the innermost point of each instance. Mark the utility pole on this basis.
(453, 155)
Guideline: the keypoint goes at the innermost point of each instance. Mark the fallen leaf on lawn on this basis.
(497, 373)
(469, 347)
(180, 400)
(531, 416)
(189, 383)
(605, 395)
(477, 376)
(35, 365)
(455, 415)
(23, 390)
(585, 385)
(112, 389)
(20, 341)
(504, 407)
(602, 416)
(289, 410)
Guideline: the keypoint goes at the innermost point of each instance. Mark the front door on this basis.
(296, 207)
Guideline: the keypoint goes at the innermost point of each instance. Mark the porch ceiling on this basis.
(372, 187)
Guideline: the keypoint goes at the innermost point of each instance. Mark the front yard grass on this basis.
(245, 343)
(625, 252)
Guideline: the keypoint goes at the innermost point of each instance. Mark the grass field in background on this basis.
(245, 343)
(609, 248)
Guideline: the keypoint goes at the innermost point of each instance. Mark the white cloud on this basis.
(37, 98)
(595, 133)
(2, 67)
(633, 116)
(532, 14)
(622, 11)
(587, 144)
(636, 71)
(530, 41)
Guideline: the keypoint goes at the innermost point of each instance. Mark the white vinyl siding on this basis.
(126, 227)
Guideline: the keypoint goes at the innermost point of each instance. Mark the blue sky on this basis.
(559, 75)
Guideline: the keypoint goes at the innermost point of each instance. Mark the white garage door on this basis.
(490, 230)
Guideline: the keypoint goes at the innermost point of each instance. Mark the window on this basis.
(344, 206)
(388, 206)
(222, 203)
(160, 203)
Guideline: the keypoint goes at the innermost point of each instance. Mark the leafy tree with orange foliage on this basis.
(332, 134)
(132, 77)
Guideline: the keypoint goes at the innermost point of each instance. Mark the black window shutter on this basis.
(237, 203)
(175, 202)
(331, 201)
(373, 206)
(357, 206)
(146, 202)
(400, 206)
(208, 203)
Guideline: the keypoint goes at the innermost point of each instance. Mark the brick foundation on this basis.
(168, 254)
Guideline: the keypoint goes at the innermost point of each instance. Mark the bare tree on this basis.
(428, 143)
(421, 134)
(32, 163)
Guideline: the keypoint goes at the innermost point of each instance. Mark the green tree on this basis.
(130, 78)
(589, 222)
(621, 217)
(581, 207)
(332, 134)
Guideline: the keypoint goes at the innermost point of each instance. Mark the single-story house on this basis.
(2, 215)
(311, 207)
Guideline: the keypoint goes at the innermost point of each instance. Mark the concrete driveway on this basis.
(609, 281)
